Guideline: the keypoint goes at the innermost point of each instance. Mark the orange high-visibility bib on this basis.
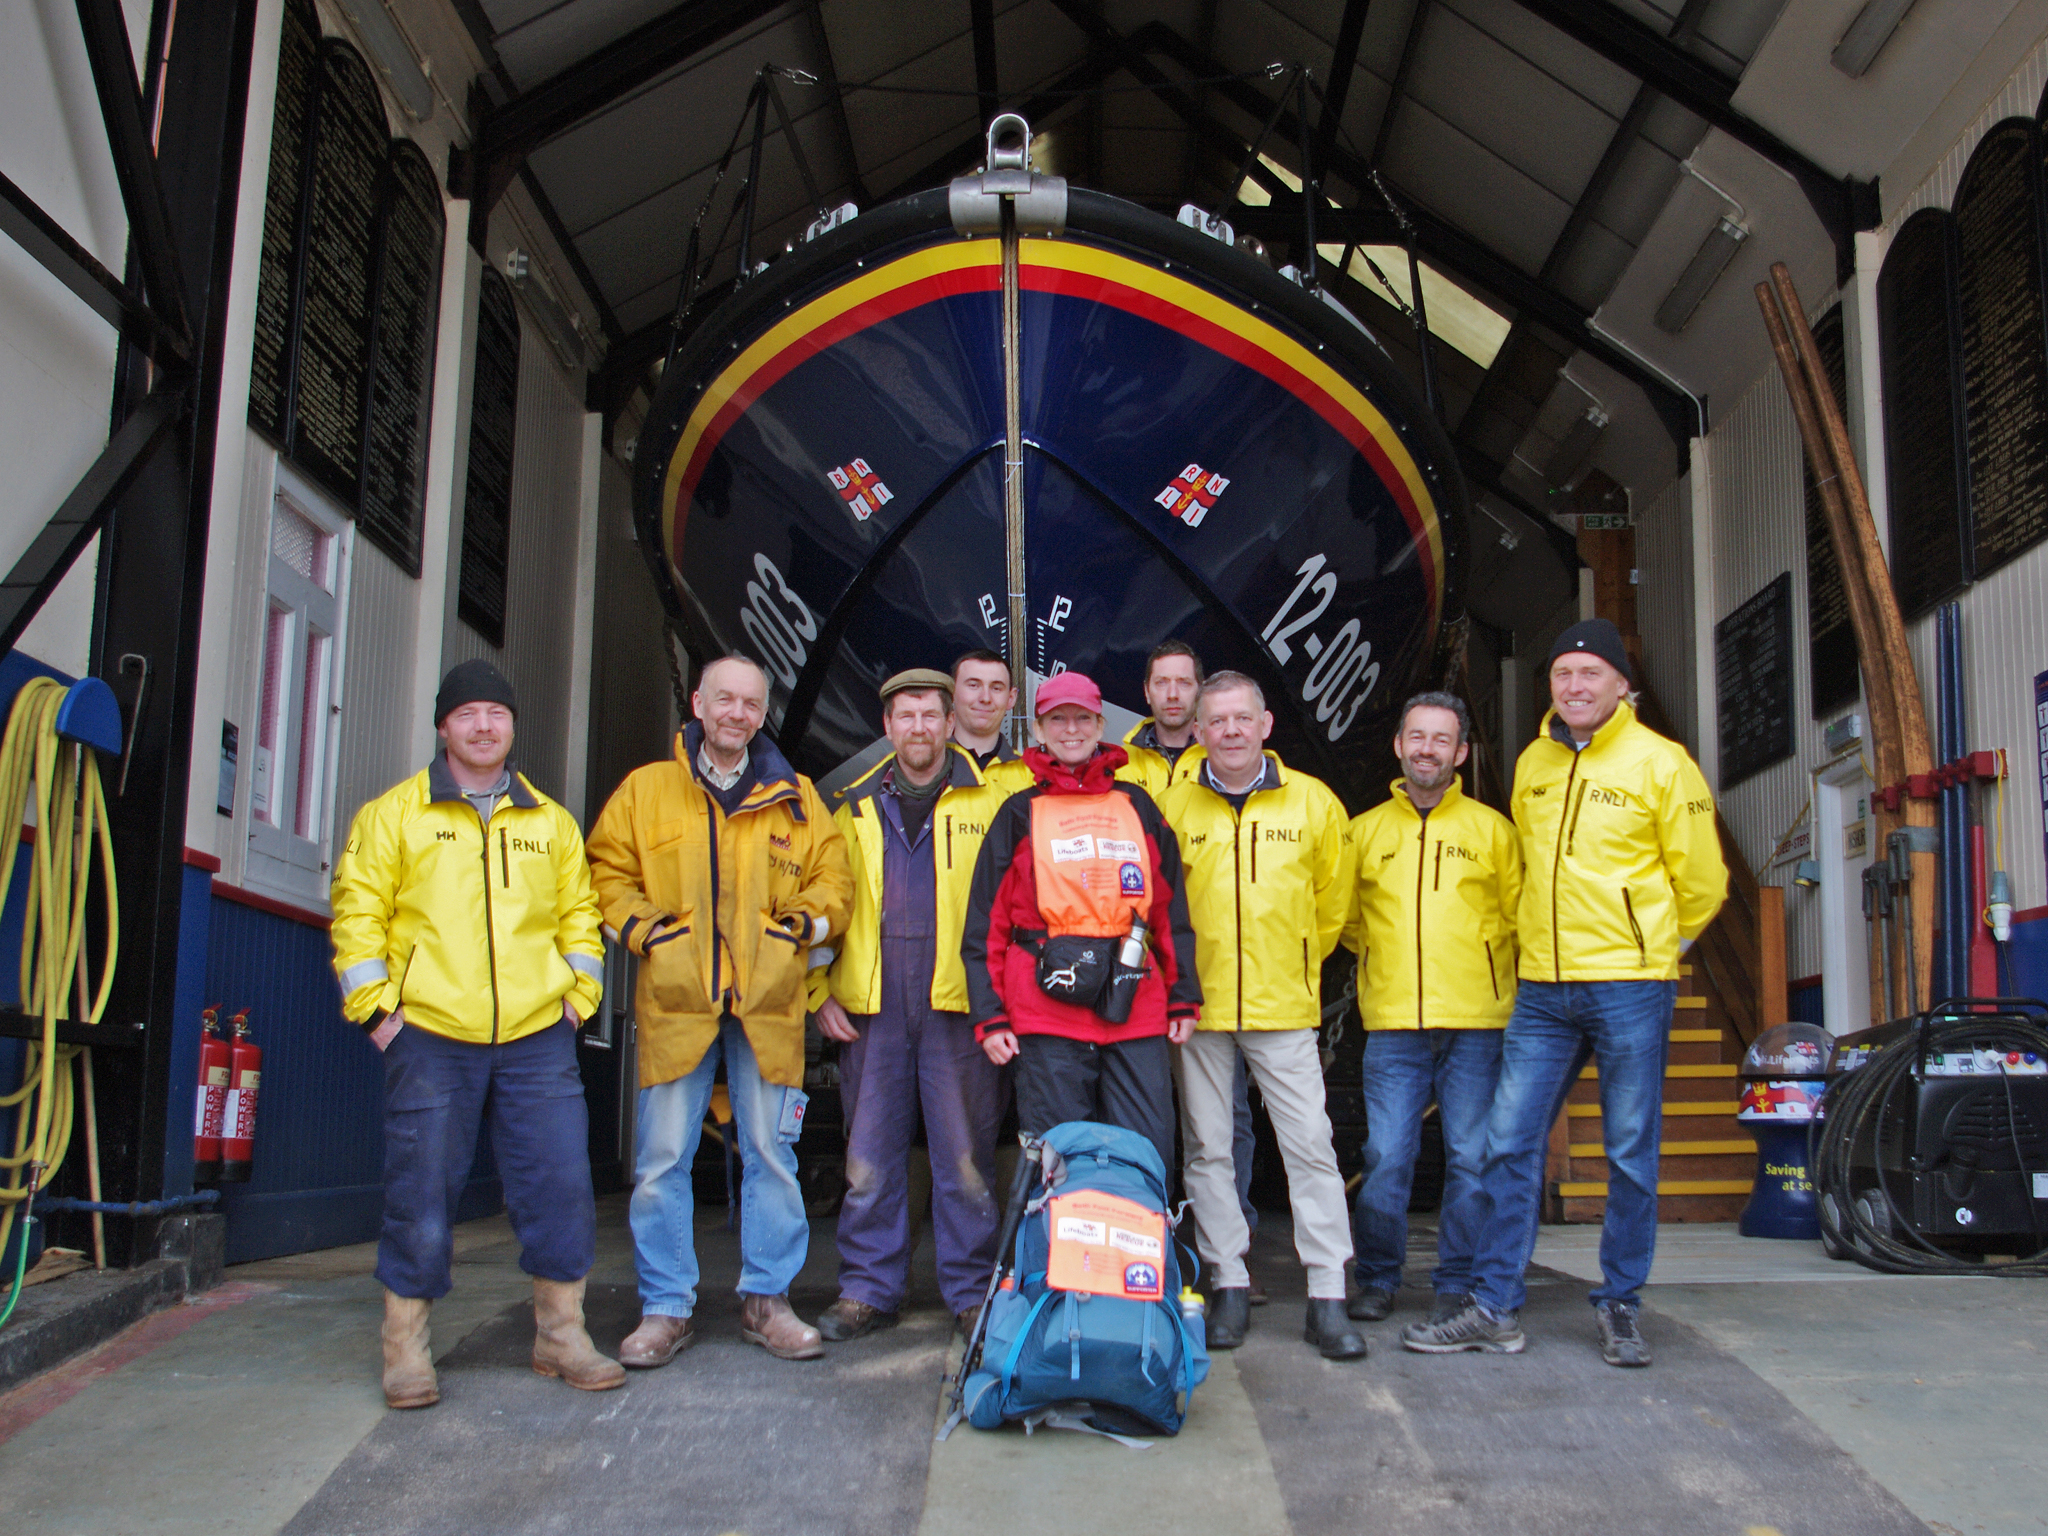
(1092, 866)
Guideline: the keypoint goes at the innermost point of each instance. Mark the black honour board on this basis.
(334, 324)
(1831, 638)
(487, 490)
(2005, 344)
(1922, 412)
(1753, 678)
(277, 278)
(408, 289)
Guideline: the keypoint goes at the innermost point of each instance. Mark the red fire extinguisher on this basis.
(207, 1113)
(238, 1119)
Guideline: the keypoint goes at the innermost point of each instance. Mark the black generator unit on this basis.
(1933, 1141)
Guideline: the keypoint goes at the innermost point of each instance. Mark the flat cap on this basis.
(919, 679)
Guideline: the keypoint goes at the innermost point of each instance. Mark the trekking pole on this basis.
(1028, 1165)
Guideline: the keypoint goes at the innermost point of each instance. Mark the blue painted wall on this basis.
(319, 1159)
(2023, 972)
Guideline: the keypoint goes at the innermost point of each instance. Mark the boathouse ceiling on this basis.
(1562, 163)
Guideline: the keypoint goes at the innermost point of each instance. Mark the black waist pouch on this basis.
(1074, 967)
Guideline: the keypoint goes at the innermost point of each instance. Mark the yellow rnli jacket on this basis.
(1433, 913)
(1268, 889)
(479, 931)
(1145, 764)
(958, 823)
(722, 910)
(1620, 853)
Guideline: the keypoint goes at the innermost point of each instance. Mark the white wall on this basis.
(542, 619)
(1755, 489)
(1664, 606)
(401, 632)
(56, 355)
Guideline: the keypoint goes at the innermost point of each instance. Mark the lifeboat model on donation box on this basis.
(1202, 449)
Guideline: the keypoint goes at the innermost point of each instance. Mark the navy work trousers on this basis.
(436, 1093)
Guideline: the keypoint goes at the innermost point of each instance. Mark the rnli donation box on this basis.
(1783, 1074)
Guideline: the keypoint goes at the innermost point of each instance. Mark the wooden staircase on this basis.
(1707, 1159)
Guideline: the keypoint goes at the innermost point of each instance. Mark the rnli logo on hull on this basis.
(860, 488)
(1190, 494)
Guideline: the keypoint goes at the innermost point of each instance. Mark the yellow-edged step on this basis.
(1684, 1107)
(1572, 1191)
(1673, 1148)
(1698, 1069)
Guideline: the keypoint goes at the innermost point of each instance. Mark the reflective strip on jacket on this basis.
(958, 823)
(1268, 891)
(1621, 855)
(479, 932)
(1433, 913)
(722, 910)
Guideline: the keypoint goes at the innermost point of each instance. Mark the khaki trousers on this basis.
(1288, 1068)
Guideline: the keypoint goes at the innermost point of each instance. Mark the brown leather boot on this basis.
(409, 1380)
(849, 1319)
(769, 1322)
(656, 1341)
(561, 1347)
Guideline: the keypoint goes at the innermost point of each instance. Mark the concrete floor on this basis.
(258, 1407)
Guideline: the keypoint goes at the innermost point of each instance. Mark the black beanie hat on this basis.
(473, 682)
(1596, 637)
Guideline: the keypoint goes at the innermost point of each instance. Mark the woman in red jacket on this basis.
(1068, 868)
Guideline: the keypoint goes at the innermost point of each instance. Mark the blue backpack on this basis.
(1113, 1348)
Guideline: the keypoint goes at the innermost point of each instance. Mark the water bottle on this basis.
(1194, 1308)
(1127, 971)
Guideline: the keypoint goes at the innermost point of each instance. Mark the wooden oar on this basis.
(1898, 715)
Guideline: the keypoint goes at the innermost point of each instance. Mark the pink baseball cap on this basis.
(1067, 688)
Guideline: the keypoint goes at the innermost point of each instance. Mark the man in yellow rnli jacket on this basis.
(1622, 871)
(983, 697)
(1267, 854)
(466, 942)
(1165, 746)
(913, 826)
(1433, 924)
(722, 871)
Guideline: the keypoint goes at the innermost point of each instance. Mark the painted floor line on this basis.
(57, 1386)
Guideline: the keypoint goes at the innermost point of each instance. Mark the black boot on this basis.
(1331, 1331)
(1230, 1313)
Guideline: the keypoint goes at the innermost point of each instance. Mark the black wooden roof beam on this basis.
(24, 221)
(83, 513)
(1447, 245)
(509, 133)
(1843, 204)
(142, 194)
(1343, 64)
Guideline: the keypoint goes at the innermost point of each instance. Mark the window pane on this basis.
(270, 718)
(296, 541)
(312, 737)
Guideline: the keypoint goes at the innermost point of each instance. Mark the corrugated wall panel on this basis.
(541, 559)
(1664, 606)
(2005, 616)
(2019, 97)
(1759, 500)
(376, 697)
(630, 708)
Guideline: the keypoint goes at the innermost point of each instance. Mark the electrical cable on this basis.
(62, 781)
(1857, 1116)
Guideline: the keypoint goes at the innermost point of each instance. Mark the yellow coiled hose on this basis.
(62, 781)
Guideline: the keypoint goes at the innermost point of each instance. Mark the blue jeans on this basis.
(1557, 1026)
(436, 1092)
(1404, 1068)
(774, 1232)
